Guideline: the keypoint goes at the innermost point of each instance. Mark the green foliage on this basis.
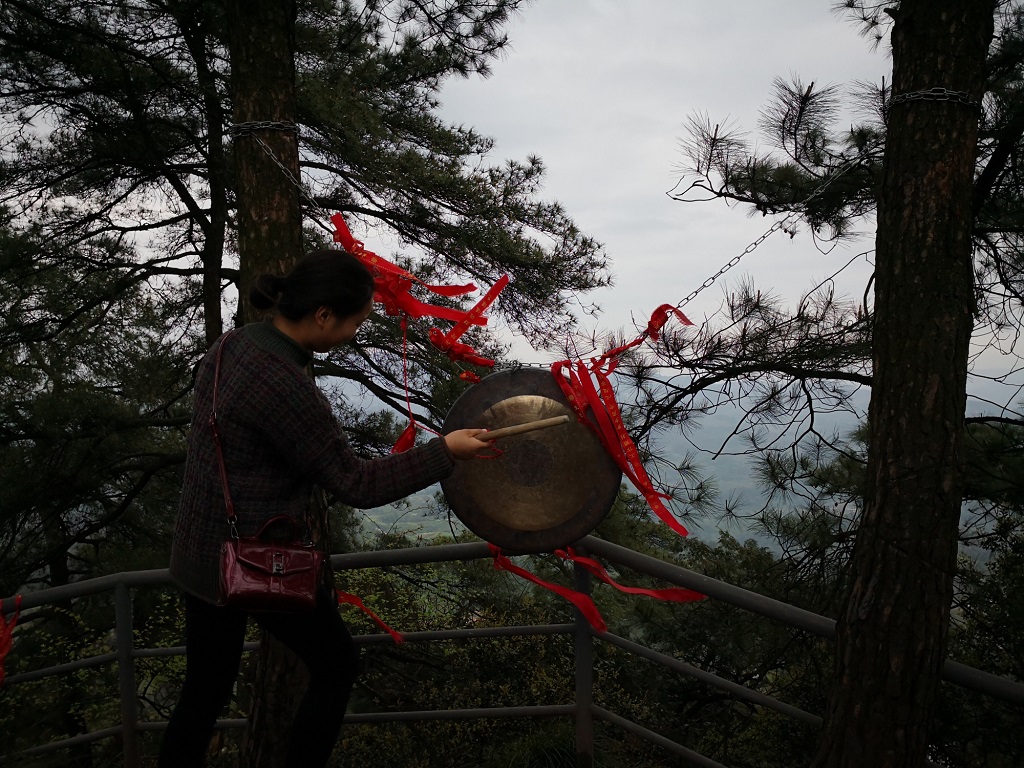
(725, 641)
(53, 708)
(988, 633)
(93, 375)
(118, 247)
(450, 675)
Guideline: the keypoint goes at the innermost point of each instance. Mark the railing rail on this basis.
(584, 711)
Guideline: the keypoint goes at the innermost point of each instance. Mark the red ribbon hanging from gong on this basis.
(393, 283)
(583, 602)
(577, 383)
(671, 594)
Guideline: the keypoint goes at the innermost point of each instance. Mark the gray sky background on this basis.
(601, 90)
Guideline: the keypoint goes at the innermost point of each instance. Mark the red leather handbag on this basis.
(260, 574)
(275, 570)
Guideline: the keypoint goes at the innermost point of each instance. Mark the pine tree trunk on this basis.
(892, 633)
(219, 181)
(262, 48)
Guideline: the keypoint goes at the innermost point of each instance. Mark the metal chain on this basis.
(291, 177)
(518, 365)
(247, 129)
(935, 94)
(772, 230)
(735, 260)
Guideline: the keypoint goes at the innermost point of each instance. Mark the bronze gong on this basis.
(547, 488)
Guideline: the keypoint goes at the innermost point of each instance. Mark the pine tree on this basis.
(929, 203)
(120, 163)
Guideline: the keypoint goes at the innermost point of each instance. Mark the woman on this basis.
(279, 437)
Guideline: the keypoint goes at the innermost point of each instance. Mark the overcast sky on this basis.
(601, 90)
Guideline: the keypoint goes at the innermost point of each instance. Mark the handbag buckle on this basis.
(277, 563)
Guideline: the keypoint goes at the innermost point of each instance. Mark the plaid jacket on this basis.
(279, 438)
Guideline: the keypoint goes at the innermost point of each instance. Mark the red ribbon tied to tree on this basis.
(449, 342)
(392, 286)
(350, 599)
(392, 283)
(7, 634)
(577, 383)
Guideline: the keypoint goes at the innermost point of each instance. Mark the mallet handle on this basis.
(518, 429)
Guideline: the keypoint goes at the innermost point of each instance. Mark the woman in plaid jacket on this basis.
(279, 438)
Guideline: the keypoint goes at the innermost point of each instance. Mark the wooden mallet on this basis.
(518, 429)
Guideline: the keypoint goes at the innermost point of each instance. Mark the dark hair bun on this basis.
(324, 278)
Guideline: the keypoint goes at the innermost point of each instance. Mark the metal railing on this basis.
(584, 711)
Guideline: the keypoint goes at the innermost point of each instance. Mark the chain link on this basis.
(790, 217)
(291, 177)
(247, 129)
(734, 261)
(518, 365)
(935, 94)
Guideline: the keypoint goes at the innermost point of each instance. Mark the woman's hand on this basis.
(464, 444)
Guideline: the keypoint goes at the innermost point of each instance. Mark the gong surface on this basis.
(549, 487)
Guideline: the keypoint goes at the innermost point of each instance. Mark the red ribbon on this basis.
(392, 283)
(458, 352)
(350, 599)
(576, 382)
(392, 286)
(7, 634)
(449, 342)
(583, 603)
(653, 330)
(671, 594)
(407, 439)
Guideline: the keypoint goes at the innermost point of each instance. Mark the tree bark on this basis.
(892, 632)
(195, 31)
(262, 50)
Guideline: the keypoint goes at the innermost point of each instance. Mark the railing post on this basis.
(124, 633)
(584, 642)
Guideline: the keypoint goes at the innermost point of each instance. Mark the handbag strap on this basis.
(228, 503)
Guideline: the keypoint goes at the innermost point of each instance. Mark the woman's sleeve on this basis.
(306, 430)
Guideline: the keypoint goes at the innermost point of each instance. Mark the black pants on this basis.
(213, 643)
